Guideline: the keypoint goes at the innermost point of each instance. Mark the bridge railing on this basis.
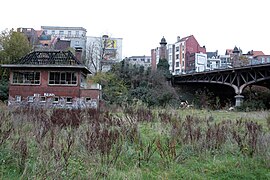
(251, 62)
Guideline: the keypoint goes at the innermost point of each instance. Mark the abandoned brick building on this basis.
(52, 79)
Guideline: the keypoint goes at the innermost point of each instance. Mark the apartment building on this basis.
(144, 61)
(76, 35)
(185, 49)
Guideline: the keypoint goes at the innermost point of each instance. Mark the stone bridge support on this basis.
(238, 100)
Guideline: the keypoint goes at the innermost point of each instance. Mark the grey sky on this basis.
(217, 24)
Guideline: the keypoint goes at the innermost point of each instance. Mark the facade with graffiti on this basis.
(52, 79)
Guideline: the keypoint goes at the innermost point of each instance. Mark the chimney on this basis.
(178, 38)
(78, 54)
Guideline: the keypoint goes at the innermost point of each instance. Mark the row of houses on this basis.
(187, 56)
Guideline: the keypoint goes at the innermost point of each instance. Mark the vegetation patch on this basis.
(133, 143)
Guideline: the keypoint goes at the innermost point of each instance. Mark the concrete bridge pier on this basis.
(238, 100)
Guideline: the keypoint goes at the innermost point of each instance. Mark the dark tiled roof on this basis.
(49, 58)
(211, 54)
(163, 41)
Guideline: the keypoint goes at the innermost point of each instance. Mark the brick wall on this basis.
(153, 59)
(192, 47)
(75, 92)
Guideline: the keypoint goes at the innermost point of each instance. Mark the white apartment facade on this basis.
(179, 56)
(144, 61)
(171, 56)
(200, 62)
(76, 35)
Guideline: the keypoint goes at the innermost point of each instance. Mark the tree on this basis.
(14, 46)
(114, 90)
(163, 66)
(101, 51)
(150, 87)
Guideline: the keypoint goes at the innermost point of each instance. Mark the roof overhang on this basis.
(53, 66)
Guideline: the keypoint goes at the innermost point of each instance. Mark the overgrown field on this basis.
(134, 143)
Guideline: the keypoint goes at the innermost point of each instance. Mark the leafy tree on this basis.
(3, 90)
(256, 98)
(14, 46)
(113, 88)
(151, 88)
(163, 66)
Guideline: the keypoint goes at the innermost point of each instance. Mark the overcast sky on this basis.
(217, 24)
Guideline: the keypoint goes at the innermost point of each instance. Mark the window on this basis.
(69, 33)
(55, 99)
(18, 98)
(61, 33)
(208, 64)
(77, 43)
(30, 99)
(69, 100)
(177, 64)
(62, 78)
(177, 56)
(183, 55)
(53, 32)
(26, 77)
(177, 49)
(42, 99)
(87, 99)
(77, 34)
(268, 59)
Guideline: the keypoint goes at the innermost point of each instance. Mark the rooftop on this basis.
(48, 59)
(62, 28)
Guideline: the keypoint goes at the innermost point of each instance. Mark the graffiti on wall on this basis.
(50, 100)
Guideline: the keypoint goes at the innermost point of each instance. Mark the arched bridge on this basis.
(238, 78)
